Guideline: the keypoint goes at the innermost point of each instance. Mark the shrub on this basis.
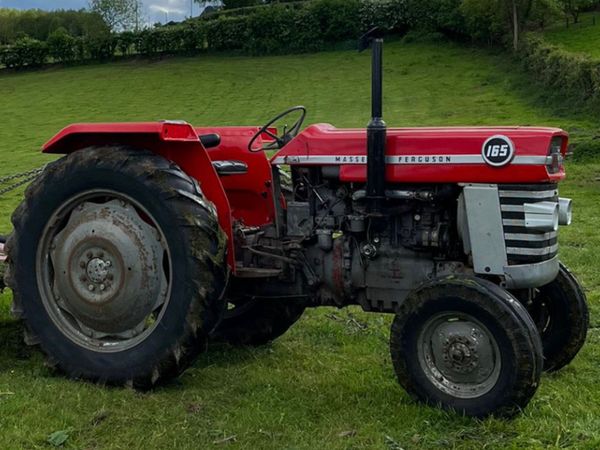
(336, 20)
(390, 15)
(226, 33)
(101, 47)
(570, 75)
(274, 30)
(126, 42)
(193, 38)
(62, 46)
(25, 52)
(586, 150)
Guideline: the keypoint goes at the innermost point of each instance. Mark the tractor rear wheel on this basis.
(561, 314)
(257, 322)
(467, 345)
(117, 266)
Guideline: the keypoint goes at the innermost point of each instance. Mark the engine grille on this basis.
(524, 245)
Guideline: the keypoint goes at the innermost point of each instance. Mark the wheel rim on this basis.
(459, 355)
(542, 313)
(104, 269)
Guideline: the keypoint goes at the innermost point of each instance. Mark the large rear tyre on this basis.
(467, 345)
(257, 322)
(561, 314)
(117, 265)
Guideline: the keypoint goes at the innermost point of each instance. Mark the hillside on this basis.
(329, 382)
(581, 38)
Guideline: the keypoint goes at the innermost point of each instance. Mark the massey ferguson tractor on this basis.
(147, 240)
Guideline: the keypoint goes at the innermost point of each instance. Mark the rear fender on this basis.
(176, 141)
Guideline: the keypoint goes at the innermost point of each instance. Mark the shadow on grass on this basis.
(12, 346)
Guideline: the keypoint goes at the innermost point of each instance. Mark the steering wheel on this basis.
(287, 136)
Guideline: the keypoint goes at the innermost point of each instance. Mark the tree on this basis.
(511, 16)
(575, 7)
(118, 14)
(61, 45)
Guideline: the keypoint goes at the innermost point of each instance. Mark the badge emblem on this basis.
(498, 151)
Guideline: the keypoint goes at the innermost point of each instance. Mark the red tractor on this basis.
(148, 239)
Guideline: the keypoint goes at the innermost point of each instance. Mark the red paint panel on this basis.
(324, 139)
(251, 194)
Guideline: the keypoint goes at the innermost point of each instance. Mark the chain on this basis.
(28, 176)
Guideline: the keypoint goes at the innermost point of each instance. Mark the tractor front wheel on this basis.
(561, 314)
(467, 345)
(117, 266)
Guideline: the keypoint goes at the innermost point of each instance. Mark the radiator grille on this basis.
(524, 245)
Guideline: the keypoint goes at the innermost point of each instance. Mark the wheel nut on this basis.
(102, 287)
(91, 287)
(107, 263)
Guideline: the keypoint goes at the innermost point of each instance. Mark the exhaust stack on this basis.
(377, 128)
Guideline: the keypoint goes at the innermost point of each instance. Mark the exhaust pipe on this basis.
(377, 128)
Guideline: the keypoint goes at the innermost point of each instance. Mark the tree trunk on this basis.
(515, 26)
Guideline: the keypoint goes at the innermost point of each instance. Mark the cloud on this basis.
(155, 10)
(165, 9)
(160, 10)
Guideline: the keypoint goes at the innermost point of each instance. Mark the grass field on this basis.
(583, 37)
(328, 383)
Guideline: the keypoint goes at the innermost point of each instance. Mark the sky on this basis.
(154, 10)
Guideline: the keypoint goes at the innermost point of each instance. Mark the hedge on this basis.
(24, 52)
(572, 76)
(294, 27)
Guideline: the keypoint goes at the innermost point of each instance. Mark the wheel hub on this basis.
(459, 355)
(97, 270)
(108, 269)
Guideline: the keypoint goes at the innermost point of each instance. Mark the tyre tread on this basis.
(197, 219)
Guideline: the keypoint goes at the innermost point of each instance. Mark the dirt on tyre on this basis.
(561, 314)
(257, 322)
(467, 345)
(117, 265)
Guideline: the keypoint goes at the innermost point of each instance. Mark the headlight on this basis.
(565, 211)
(554, 161)
(541, 216)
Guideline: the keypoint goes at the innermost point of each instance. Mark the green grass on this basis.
(583, 37)
(328, 383)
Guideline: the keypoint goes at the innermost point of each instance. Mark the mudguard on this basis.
(176, 141)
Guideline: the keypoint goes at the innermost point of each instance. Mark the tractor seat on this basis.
(225, 168)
